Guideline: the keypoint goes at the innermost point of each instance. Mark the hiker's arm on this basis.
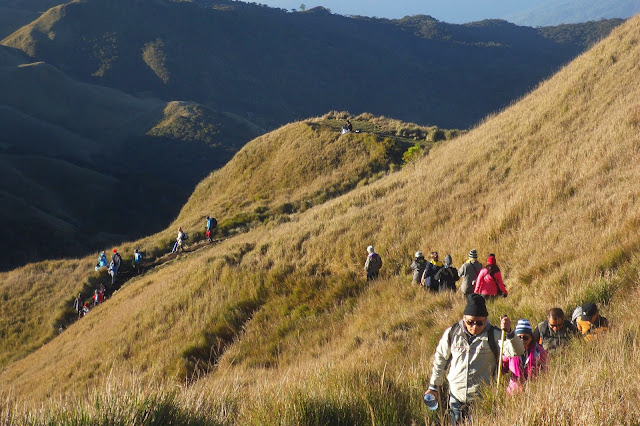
(513, 345)
(442, 355)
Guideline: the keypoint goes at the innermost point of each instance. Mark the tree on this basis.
(303, 7)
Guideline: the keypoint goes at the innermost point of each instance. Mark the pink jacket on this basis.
(534, 361)
(485, 284)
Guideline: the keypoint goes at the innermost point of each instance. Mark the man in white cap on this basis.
(373, 264)
(417, 266)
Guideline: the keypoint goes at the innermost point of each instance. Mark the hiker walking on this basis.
(554, 332)
(471, 349)
(447, 276)
(527, 365)
(117, 260)
(113, 271)
(85, 310)
(96, 298)
(429, 275)
(373, 264)
(489, 282)
(469, 272)
(137, 260)
(210, 226)
(77, 303)
(591, 323)
(179, 241)
(102, 261)
(418, 266)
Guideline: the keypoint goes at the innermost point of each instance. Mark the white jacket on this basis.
(472, 364)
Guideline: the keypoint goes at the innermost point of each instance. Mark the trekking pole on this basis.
(502, 336)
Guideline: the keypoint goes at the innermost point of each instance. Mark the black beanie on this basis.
(476, 306)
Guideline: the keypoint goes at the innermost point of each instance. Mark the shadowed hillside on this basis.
(17, 13)
(268, 182)
(83, 166)
(295, 65)
(278, 324)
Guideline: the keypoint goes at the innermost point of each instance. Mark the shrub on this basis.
(411, 154)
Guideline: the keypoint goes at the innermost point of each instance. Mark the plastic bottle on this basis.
(431, 401)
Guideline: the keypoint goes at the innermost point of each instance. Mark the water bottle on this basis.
(431, 401)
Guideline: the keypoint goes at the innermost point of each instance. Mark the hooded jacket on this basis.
(473, 363)
(487, 285)
(524, 367)
(468, 272)
(418, 266)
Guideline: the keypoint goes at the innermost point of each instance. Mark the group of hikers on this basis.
(472, 351)
(435, 275)
(210, 225)
(113, 267)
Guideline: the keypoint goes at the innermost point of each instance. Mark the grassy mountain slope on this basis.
(17, 13)
(304, 164)
(278, 325)
(240, 197)
(294, 65)
(73, 156)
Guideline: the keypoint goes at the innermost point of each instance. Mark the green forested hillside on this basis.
(84, 166)
(275, 67)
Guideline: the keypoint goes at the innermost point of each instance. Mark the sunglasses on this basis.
(525, 337)
(471, 323)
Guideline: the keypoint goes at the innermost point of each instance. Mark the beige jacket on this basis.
(473, 365)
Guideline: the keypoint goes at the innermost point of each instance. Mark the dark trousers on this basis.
(372, 276)
(459, 411)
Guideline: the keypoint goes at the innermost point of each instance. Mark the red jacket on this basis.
(488, 285)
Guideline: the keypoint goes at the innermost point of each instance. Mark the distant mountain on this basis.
(277, 67)
(17, 13)
(556, 12)
(84, 166)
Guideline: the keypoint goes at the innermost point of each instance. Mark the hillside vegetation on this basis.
(259, 186)
(83, 166)
(277, 325)
(295, 65)
(305, 164)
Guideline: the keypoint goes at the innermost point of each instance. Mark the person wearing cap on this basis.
(489, 282)
(471, 350)
(117, 260)
(590, 323)
(554, 332)
(447, 275)
(418, 266)
(373, 264)
(527, 365)
(429, 275)
(469, 272)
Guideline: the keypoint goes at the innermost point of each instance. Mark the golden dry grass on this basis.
(549, 185)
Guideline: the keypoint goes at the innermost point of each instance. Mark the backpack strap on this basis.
(491, 337)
